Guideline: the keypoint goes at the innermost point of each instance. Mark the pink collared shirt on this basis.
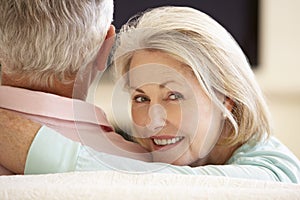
(75, 119)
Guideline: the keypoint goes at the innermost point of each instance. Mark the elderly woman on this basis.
(194, 103)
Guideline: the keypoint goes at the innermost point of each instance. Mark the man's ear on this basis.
(111, 32)
(104, 51)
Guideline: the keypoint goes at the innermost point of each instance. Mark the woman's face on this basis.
(172, 116)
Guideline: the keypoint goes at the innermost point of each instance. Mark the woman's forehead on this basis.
(155, 73)
(158, 57)
(158, 67)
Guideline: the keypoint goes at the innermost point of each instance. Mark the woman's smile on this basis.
(165, 142)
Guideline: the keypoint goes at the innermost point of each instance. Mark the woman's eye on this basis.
(175, 96)
(140, 99)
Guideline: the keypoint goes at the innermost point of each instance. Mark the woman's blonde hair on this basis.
(217, 61)
(43, 39)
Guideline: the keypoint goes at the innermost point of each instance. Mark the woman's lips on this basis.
(164, 142)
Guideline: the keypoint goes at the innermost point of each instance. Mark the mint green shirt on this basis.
(270, 160)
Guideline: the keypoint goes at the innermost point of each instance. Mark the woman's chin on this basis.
(170, 159)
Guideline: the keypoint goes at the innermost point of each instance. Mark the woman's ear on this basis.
(228, 103)
(104, 51)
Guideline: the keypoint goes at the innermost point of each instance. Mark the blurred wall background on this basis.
(278, 72)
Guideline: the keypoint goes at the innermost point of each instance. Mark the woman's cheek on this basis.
(144, 143)
(174, 114)
(189, 118)
(139, 115)
(140, 119)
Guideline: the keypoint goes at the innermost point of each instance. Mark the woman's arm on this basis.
(51, 152)
(16, 136)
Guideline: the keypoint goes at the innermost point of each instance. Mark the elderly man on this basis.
(47, 50)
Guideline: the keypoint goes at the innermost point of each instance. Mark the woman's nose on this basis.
(157, 117)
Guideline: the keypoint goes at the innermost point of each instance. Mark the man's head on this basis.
(46, 40)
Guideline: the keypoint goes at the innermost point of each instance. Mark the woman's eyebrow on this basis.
(137, 89)
(162, 85)
(171, 81)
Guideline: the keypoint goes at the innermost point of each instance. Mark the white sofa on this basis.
(118, 185)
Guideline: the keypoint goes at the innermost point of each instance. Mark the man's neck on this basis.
(58, 88)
